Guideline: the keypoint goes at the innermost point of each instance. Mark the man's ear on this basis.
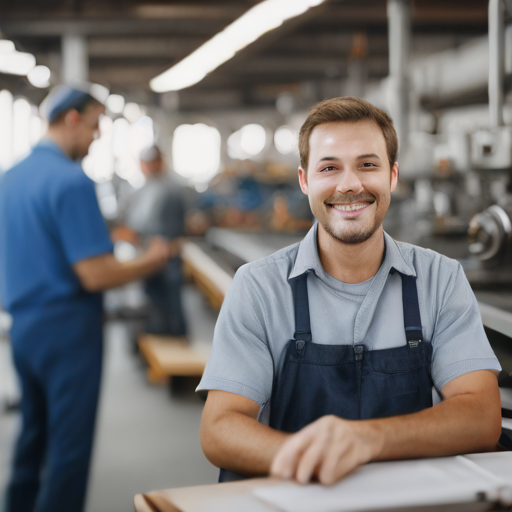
(72, 117)
(394, 176)
(303, 180)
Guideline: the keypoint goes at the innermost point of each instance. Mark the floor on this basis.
(147, 438)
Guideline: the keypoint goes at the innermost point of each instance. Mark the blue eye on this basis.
(328, 168)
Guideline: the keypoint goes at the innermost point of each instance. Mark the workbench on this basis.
(238, 496)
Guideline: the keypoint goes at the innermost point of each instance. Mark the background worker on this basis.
(55, 259)
(158, 209)
(326, 353)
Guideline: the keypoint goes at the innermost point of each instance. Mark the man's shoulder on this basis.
(273, 268)
(425, 260)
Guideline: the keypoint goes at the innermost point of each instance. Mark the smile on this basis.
(350, 207)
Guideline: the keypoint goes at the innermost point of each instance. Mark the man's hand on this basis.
(105, 271)
(158, 252)
(328, 448)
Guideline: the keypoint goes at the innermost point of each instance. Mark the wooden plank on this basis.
(168, 357)
(210, 278)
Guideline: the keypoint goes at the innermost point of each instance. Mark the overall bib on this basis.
(349, 381)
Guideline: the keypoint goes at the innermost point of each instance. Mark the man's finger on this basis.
(337, 459)
(286, 460)
(312, 457)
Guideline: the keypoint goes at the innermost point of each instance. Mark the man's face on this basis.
(154, 168)
(348, 180)
(87, 129)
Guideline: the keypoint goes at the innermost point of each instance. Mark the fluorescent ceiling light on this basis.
(39, 77)
(263, 17)
(13, 62)
(6, 46)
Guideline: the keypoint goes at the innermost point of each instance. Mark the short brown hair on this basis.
(347, 109)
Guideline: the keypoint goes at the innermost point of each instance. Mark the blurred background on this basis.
(222, 88)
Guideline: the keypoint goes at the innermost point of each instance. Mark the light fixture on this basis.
(13, 62)
(247, 142)
(39, 77)
(261, 18)
(115, 103)
(196, 151)
(6, 46)
(285, 140)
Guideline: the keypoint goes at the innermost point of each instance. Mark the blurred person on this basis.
(55, 259)
(158, 209)
(328, 354)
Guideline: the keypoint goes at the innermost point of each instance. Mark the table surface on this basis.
(238, 496)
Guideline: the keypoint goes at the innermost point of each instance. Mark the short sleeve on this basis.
(82, 229)
(240, 361)
(459, 340)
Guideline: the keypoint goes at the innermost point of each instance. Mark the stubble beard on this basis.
(350, 237)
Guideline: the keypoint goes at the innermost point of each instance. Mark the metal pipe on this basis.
(399, 33)
(75, 58)
(496, 61)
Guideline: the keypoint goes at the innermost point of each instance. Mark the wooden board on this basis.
(210, 278)
(168, 357)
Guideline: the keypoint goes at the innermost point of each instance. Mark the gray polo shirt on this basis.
(256, 320)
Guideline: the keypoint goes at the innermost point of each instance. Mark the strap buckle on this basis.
(414, 343)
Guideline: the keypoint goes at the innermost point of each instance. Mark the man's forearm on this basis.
(461, 424)
(105, 271)
(241, 444)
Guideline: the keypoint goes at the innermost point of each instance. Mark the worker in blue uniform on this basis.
(338, 350)
(55, 259)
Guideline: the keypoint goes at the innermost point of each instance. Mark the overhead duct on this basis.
(449, 74)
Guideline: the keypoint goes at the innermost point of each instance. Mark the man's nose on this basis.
(349, 181)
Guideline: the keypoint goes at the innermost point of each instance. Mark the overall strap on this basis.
(412, 319)
(301, 306)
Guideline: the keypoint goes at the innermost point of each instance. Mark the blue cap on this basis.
(65, 97)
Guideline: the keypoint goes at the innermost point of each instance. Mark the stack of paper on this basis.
(390, 485)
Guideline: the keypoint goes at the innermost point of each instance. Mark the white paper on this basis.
(382, 485)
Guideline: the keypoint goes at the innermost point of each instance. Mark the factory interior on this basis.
(226, 121)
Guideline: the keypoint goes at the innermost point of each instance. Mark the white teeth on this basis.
(350, 207)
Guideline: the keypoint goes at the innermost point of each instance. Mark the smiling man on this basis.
(334, 352)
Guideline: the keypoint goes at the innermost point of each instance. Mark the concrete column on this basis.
(496, 61)
(75, 58)
(399, 34)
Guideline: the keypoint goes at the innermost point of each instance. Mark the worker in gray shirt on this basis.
(335, 351)
(158, 208)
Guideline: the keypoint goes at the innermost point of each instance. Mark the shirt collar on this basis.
(52, 146)
(308, 259)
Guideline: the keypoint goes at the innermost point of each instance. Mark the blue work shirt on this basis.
(49, 220)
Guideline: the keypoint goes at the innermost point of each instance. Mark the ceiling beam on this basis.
(142, 46)
(106, 27)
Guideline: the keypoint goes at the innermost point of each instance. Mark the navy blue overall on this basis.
(349, 381)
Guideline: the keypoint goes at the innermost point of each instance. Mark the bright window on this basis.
(196, 151)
